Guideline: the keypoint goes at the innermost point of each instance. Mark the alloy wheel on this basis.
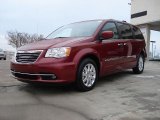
(89, 75)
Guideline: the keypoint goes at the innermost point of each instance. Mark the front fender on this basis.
(84, 53)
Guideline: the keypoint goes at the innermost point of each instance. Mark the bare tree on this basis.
(17, 39)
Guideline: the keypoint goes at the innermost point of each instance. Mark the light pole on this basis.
(152, 48)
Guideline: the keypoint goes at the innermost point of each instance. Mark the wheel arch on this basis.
(143, 53)
(93, 57)
(87, 53)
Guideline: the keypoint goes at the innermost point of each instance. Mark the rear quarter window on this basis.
(137, 33)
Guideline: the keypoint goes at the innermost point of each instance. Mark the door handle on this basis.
(120, 44)
(125, 44)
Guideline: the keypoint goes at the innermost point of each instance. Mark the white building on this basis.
(146, 15)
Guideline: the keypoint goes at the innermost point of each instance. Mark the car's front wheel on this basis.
(140, 65)
(87, 75)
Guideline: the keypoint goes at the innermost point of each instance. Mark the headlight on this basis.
(58, 52)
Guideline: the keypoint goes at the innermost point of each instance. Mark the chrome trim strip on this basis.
(111, 59)
(116, 58)
(32, 74)
(29, 51)
(133, 56)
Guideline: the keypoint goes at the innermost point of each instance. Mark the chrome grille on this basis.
(27, 56)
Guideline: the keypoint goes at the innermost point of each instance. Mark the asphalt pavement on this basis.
(122, 96)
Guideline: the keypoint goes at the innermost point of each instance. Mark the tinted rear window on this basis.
(137, 33)
(125, 31)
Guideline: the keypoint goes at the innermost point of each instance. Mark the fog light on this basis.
(48, 77)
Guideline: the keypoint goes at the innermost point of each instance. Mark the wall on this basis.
(151, 6)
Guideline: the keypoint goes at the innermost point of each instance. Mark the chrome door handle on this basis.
(125, 44)
(120, 44)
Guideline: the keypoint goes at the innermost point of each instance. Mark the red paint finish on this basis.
(107, 34)
(111, 55)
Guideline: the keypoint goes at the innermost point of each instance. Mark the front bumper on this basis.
(45, 70)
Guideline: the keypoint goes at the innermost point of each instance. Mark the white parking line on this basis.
(153, 69)
(142, 76)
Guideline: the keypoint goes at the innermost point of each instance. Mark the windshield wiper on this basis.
(60, 37)
(55, 38)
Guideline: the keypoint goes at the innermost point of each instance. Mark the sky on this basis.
(44, 16)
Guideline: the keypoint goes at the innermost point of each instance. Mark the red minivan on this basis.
(81, 52)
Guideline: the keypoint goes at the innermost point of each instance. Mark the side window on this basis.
(137, 33)
(110, 26)
(125, 31)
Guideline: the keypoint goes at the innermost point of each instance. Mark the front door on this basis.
(112, 50)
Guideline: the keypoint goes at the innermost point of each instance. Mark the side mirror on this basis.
(106, 34)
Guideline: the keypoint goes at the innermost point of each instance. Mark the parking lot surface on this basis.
(122, 96)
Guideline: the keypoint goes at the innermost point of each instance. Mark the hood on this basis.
(57, 42)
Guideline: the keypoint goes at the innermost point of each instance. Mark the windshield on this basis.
(81, 29)
(1, 50)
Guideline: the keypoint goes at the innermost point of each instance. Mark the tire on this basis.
(140, 65)
(4, 58)
(87, 75)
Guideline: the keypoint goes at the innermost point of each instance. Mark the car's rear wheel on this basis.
(87, 75)
(140, 65)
